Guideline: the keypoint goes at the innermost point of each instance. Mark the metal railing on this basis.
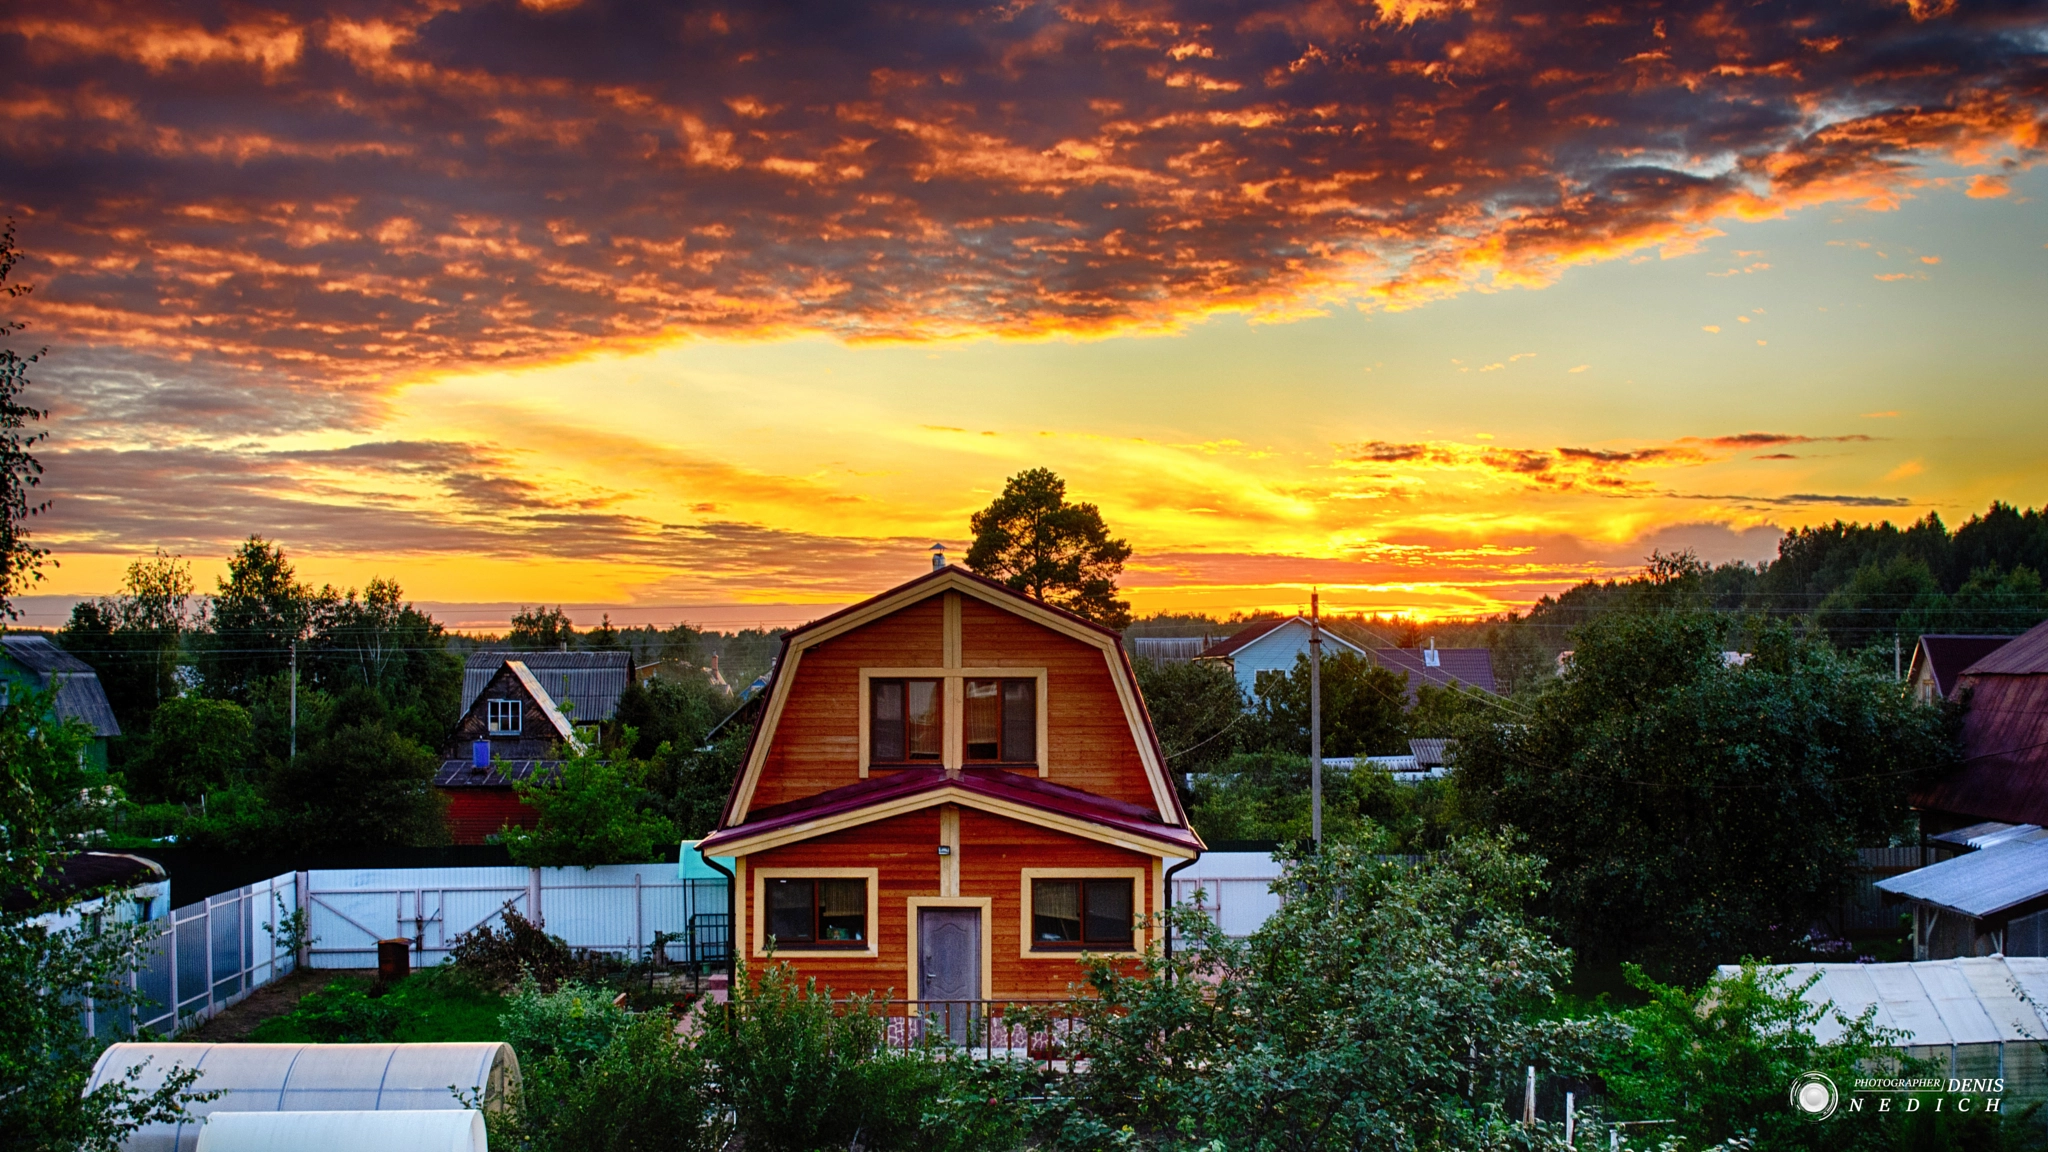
(1040, 1030)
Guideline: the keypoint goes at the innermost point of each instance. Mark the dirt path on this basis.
(276, 998)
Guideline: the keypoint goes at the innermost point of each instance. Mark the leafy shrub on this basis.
(801, 1072)
(644, 1090)
(521, 950)
(575, 1022)
(345, 1012)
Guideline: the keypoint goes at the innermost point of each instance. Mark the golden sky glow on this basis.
(718, 314)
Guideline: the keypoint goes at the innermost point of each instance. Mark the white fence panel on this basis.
(1238, 904)
(206, 956)
(613, 908)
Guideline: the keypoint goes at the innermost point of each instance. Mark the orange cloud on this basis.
(352, 199)
(1984, 187)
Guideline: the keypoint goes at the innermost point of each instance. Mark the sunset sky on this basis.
(726, 314)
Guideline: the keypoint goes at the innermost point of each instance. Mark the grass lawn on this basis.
(437, 1004)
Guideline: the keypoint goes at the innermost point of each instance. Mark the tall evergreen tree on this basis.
(21, 561)
(1032, 539)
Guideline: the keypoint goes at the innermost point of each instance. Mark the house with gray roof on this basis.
(586, 686)
(30, 661)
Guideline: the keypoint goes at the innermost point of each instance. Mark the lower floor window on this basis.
(823, 912)
(1081, 914)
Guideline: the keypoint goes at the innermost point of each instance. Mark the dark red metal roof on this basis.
(1243, 636)
(2004, 775)
(1946, 656)
(995, 783)
(2025, 655)
(1472, 667)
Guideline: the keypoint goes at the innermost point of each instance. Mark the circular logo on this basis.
(1814, 1096)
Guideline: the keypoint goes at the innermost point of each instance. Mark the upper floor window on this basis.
(905, 721)
(1002, 721)
(503, 716)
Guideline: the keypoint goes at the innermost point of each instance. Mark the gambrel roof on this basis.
(1165, 810)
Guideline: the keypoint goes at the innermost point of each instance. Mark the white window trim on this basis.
(954, 681)
(518, 716)
(1141, 901)
(761, 876)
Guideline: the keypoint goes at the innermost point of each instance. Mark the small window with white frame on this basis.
(503, 716)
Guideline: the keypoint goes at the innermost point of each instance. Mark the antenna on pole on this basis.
(1315, 718)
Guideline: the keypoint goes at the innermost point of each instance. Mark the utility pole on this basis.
(1898, 672)
(295, 699)
(1315, 718)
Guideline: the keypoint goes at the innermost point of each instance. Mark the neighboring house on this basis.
(2004, 773)
(1273, 646)
(33, 662)
(1990, 901)
(1939, 660)
(586, 686)
(953, 792)
(514, 731)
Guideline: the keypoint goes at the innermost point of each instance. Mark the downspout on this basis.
(732, 925)
(1166, 920)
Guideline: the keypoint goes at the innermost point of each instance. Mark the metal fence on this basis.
(619, 908)
(203, 957)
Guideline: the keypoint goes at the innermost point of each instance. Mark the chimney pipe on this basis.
(938, 556)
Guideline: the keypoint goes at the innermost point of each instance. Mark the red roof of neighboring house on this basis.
(2024, 655)
(1946, 656)
(996, 784)
(1243, 636)
(2004, 775)
(1472, 667)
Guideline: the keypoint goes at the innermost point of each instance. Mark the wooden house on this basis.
(513, 731)
(31, 662)
(1275, 645)
(2004, 773)
(953, 791)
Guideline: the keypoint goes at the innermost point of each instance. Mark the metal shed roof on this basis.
(79, 694)
(590, 681)
(1982, 883)
(1935, 1002)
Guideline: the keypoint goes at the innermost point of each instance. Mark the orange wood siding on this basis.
(904, 849)
(994, 851)
(1089, 743)
(817, 741)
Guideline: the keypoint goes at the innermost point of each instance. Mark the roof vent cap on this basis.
(938, 556)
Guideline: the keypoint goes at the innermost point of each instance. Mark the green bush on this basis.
(345, 1012)
(521, 950)
(575, 1022)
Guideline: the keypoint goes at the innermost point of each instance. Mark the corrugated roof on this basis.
(1982, 883)
(1983, 835)
(1472, 667)
(501, 773)
(563, 728)
(38, 655)
(1935, 1002)
(590, 682)
(2026, 654)
(1946, 656)
(2004, 774)
(79, 694)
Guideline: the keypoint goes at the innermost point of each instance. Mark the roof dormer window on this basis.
(503, 716)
